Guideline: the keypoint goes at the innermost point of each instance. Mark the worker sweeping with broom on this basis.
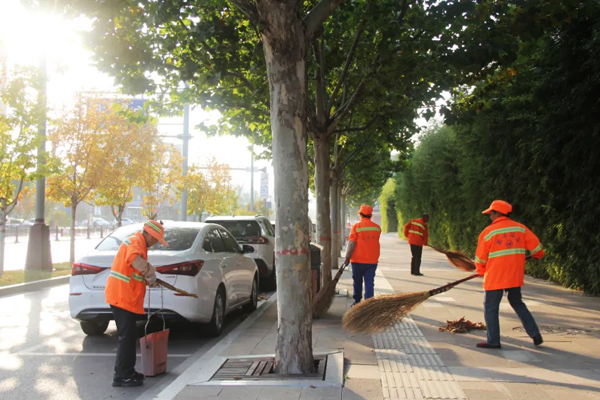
(125, 291)
(500, 259)
(363, 252)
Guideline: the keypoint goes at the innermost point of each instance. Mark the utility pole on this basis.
(39, 256)
(184, 150)
(251, 177)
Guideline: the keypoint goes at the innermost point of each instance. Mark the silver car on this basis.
(203, 258)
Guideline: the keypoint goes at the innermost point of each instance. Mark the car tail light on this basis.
(256, 240)
(190, 268)
(85, 269)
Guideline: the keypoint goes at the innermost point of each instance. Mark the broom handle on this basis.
(339, 273)
(450, 285)
(173, 288)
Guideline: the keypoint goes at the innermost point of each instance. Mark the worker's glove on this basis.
(150, 275)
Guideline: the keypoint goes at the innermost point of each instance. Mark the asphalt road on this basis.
(45, 355)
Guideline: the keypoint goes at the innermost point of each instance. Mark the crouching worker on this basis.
(125, 292)
(500, 259)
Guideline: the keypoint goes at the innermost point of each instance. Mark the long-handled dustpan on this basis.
(154, 347)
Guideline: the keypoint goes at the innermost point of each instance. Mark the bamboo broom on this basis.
(458, 259)
(379, 313)
(173, 288)
(324, 298)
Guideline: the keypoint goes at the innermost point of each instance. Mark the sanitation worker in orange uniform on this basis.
(500, 259)
(417, 233)
(363, 252)
(125, 291)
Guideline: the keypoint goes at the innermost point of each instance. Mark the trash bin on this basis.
(315, 267)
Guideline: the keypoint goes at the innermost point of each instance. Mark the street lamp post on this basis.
(39, 256)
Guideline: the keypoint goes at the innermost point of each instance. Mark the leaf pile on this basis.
(462, 326)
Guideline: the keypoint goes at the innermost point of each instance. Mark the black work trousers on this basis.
(415, 262)
(126, 347)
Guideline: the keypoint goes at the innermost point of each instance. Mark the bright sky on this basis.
(26, 35)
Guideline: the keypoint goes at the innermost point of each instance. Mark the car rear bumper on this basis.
(103, 314)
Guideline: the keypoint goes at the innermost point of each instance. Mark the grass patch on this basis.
(16, 277)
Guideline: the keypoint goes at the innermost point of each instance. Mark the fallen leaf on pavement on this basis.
(462, 326)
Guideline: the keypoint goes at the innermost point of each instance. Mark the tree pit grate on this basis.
(262, 368)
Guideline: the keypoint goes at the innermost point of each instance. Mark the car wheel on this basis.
(94, 328)
(215, 326)
(253, 303)
(271, 281)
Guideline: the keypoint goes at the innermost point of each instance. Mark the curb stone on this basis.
(33, 286)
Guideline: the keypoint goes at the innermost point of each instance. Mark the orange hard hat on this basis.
(156, 230)
(500, 206)
(365, 209)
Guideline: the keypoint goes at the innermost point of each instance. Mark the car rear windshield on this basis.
(179, 239)
(240, 229)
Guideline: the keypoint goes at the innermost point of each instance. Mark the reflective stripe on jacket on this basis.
(125, 287)
(365, 234)
(416, 232)
(501, 250)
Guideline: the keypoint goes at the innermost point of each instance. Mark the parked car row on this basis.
(202, 258)
(222, 260)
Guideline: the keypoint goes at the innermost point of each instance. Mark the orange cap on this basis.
(365, 209)
(156, 230)
(498, 205)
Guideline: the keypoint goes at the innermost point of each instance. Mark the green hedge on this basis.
(530, 136)
(387, 203)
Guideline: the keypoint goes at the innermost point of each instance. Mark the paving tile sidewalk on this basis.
(414, 360)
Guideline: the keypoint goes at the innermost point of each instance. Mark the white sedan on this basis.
(204, 259)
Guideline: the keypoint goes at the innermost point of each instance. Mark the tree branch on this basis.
(346, 67)
(361, 128)
(248, 8)
(315, 17)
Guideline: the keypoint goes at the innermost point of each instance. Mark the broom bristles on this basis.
(459, 259)
(324, 298)
(379, 313)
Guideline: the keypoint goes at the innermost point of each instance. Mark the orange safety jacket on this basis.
(365, 234)
(501, 251)
(126, 287)
(416, 232)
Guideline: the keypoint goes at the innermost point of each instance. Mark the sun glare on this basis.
(26, 35)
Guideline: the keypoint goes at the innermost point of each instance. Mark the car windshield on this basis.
(179, 239)
(240, 229)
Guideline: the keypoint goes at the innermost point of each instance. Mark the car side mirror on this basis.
(246, 248)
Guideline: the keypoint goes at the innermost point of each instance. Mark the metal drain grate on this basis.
(259, 368)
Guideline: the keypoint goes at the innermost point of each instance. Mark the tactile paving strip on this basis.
(410, 368)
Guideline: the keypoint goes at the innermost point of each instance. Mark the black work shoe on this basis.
(131, 381)
(485, 345)
(139, 375)
(417, 274)
(353, 304)
(537, 340)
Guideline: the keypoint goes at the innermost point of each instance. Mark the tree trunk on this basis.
(285, 54)
(344, 230)
(335, 215)
(322, 149)
(72, 244)
(340, 226)
(2, 233)
(119, 214)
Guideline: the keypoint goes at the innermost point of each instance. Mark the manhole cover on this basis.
(259, 368)
(557, 330)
